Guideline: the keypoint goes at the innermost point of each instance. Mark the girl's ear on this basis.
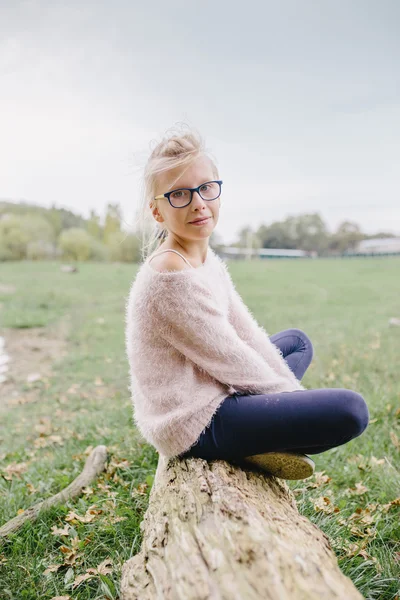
(156, 213)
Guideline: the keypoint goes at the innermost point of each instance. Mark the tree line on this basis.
(32, 232)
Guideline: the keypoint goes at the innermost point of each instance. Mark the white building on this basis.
(254, 253)
(379, 246)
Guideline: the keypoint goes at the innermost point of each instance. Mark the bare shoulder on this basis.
(168, 261)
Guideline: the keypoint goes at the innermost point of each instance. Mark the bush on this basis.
(13, 238)
(77, 244)
(124, 247)
(40, 250)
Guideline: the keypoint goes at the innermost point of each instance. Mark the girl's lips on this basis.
(202, 222)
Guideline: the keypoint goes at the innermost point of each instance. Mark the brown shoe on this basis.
(285, 465)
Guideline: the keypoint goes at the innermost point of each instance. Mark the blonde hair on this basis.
(177, 148)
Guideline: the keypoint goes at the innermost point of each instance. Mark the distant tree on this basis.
(216, 240)
(303, 232)
(123, 247)
(13, 238)
(38, 228)
(346, 237)
(41, 250)
(380, 234)
(60, 218)
(93, 226)
(54, 217)
(247, 238)
(311, 233)
(75, 244)
(276, 235)
(112, 222)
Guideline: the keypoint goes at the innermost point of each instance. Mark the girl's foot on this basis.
(285, 465)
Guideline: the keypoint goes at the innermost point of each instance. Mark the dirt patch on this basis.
(7, 288)
(31, 351)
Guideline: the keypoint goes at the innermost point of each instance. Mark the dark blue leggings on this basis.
(305, 421)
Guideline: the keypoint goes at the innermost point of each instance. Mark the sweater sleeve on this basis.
(187, 316)
(255, 335)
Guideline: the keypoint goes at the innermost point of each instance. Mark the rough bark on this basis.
(213, 530)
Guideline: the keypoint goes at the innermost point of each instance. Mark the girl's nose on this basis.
(197, 200)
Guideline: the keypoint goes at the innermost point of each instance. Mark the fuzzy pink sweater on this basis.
(191, 342)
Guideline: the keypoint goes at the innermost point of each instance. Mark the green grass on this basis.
(343, 305)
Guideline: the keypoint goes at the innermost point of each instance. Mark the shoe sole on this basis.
(285, 465)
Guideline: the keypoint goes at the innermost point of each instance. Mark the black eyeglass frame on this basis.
(191, 190)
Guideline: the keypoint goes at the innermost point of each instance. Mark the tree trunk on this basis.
(215, 531)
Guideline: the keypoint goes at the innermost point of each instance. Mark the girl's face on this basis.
(178, 220)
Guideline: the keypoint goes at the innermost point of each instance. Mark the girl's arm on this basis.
(255, 335)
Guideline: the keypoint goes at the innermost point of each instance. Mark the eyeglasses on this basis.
(211, 190)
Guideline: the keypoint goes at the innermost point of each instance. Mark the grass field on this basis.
(48, 425)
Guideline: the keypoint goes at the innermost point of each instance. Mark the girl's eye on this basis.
(176, 194)
(204, 186)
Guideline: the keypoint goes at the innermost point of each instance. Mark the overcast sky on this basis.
(298, 101)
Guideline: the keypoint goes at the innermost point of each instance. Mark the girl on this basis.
(206, 379)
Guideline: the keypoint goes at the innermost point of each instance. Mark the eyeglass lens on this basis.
(208, 191)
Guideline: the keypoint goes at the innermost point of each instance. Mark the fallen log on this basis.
(214, 530)
(94, 465)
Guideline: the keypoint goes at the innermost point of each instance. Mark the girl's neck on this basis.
(195, 257)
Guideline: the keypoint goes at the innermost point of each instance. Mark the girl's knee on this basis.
(304, 337)
(355, 410)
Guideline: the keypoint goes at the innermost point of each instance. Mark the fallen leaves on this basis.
(31, 488)
(90, 514)
(14, 470)
(43, 442)
(357, 490)
(70, 555)
(103, 568)
(376, 343)
(364, 462)
(324, 504)
(60, 530)
(395, 440)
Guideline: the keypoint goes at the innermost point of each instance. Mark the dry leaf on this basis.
(31, 488)
(44, 427)
(116, 519)
(58, 531)
(71, 554)
(375, 461)
(395, 440)
(14, 469)
(319, 480)
(324, 504)
(103, 568)
(52, 569)
(89, 515)
(80, 579)
(74, 388)
(375, 345)
(357, 490)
